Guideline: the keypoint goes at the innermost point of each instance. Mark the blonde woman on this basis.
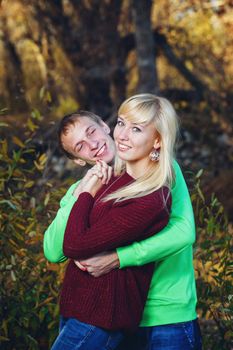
(115, 210)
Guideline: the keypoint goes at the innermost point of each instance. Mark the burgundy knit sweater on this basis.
(115, 300)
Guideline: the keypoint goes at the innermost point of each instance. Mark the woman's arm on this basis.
(125, 222)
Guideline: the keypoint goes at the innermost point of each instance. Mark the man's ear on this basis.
(80, 162)
(105, 127)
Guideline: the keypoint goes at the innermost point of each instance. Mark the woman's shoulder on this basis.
(160, 198)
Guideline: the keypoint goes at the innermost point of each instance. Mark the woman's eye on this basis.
(136, 129)
(120, 123)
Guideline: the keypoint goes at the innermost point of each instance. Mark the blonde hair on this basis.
(145, 109)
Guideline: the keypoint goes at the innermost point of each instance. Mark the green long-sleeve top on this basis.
(172, 293)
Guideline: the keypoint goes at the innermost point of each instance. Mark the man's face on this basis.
(89, 141)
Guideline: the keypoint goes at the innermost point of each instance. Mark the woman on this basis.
(112, 211)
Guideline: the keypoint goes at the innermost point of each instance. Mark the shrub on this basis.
(214, 269)
(28, 287)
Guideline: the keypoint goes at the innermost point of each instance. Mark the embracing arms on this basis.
(176, 236)
(123, 222)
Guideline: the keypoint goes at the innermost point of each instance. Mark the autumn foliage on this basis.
(30, 286)
(57, 56)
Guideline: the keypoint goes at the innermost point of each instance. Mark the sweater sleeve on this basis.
(54, 235)
(125, 222)
(175, 237)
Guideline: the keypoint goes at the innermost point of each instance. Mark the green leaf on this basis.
(5, 201)
(200, 172)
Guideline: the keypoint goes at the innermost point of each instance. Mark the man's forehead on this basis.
(81, 126)
(86, 122)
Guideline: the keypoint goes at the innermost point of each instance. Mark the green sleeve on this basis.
(176, 236)
(54, 235)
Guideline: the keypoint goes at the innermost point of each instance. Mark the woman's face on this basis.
(134, 142)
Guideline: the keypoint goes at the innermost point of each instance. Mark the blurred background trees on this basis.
(57, 56)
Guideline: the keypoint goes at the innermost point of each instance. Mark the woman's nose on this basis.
(124, 134)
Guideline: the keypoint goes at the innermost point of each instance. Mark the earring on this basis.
(154, 155)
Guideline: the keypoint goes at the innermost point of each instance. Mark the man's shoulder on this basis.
(69, 193)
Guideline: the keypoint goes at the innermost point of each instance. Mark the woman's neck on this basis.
(139, 168)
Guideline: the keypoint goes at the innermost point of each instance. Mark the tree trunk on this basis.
(145, 48)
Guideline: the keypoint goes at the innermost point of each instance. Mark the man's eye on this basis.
(79, 147)
(91, 132)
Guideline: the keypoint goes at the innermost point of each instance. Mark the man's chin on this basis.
(108, 158)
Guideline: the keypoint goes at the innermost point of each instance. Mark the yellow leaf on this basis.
(31, 125)
(4, 147)
(29, 184)
(47, 197)
(42, 159)
(17, 141)
(38, 166)
(20, 226)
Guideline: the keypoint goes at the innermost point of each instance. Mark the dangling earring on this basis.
(154, 155)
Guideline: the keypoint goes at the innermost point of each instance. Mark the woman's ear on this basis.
(80, 162)
(157, 143)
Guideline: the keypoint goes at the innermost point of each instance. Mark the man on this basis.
(170, 307)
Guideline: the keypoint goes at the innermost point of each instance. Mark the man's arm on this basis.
(175, 237)
(54, 235)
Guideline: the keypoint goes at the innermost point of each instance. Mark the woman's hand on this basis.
(95, 177)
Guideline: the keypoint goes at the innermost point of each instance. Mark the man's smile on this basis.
(101, 150)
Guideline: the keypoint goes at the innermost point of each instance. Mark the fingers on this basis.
(95, 170)
(79, 265)
(106, 171)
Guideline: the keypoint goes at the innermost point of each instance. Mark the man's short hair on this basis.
(71, 119)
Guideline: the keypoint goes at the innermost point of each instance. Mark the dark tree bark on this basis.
(145, 48)
(161, 44)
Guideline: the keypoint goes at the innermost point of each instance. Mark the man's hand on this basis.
(95, 177)
(99, 264)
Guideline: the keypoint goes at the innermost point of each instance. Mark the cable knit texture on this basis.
(115, 300)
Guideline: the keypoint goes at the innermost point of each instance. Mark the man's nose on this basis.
(93, 144)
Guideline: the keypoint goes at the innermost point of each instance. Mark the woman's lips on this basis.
(122, 147)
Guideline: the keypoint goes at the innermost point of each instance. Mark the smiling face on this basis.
(89, 141)
(135, 141)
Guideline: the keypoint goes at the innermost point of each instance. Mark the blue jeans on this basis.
(177, 336)
(76, 335)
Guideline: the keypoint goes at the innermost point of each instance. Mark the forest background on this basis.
(58, 56)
